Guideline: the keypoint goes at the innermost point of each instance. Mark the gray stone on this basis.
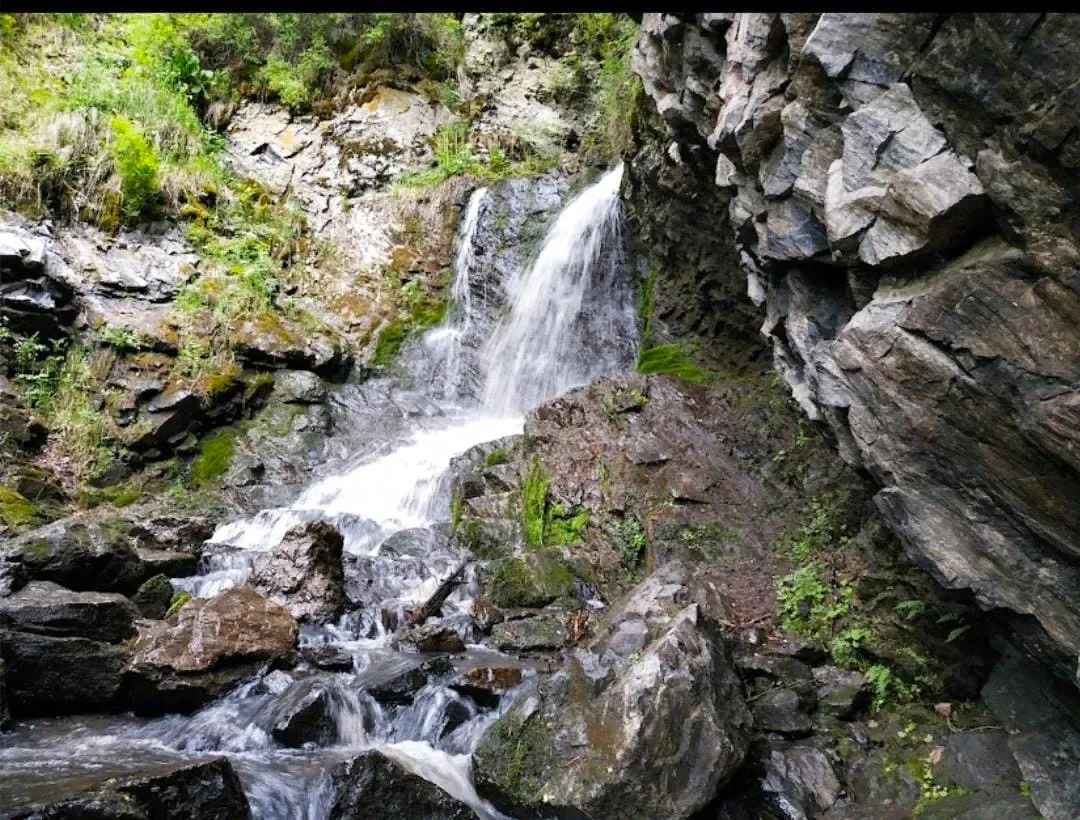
(802, 781)
(375, 786)
(304, 572)
(45, 608)
(542, 632)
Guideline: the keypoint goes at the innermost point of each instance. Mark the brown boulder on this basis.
(208, 647)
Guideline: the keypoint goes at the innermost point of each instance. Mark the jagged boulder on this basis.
(304, 572)
(205, 649)
(623, 731)
(373, 786)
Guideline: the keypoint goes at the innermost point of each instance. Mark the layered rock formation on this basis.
(900, 193)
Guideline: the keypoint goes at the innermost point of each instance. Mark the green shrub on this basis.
(136, 165)
(808, 605)
(632, 540)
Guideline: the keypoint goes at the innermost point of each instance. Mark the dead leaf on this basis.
(935, 755)
(943, 710)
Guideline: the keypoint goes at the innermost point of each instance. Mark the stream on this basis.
(508, 344)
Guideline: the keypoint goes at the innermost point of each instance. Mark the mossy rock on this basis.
(513, 751)
(16, 510)
(486, 539)
(534, 580)
(154, 597)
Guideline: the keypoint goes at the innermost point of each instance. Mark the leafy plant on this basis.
(632, 541)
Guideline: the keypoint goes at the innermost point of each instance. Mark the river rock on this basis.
(486, 684)
(45, 608)
(431, 638)
(655, 738)
(203, 790)
(299, 387)
(396, 680)
(304, 572)
(154, 597)
(372, 786)
(5, 710)
(171, 563)
(94, 555)
(53, 675)
(304, 714)
(208, 647)
(329, 656)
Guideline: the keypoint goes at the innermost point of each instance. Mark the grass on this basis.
(456, 154)
(675, 359)
(534, 489)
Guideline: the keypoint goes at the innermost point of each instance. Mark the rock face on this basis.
(207, 790)
(209, 646)
(304, 572)
(44, 608)
(82, 556)
(374, 787)
(900, 192)
(629, 729)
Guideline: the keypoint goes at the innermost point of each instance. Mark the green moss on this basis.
(561, 528)
(515, 752)
(534, 489)
(674, 358)
(177, 603)
(517, 582)
(389, 342)
(632, 540)
(15, 510)
(213, 460)
(457, 508)
(496, 457)
(120, 495)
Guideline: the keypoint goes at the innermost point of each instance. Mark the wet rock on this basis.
(173, 531)
(375, 787)
(542, 632)
(484, 614)
(801, 781)
(397, 683)
(980, 761)
(96, 555)
(203, 790)
(173, 564)
(328, 656)
(304, 714)
(44, 608)
(299, 387)
(840, 693)
(304, 572)
(431, 638)
(206, 649)
(54, 676)
(485, 684)
(154, 597)
(5, 710)
(656, 738)
(778, 711)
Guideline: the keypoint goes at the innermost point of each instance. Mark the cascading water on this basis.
(565, 319)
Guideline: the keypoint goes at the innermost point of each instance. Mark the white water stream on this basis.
(564, 311)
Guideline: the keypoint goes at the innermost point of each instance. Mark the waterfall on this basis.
(562, 301)
(567, 317)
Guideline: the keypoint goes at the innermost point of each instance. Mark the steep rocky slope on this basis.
(900, 194)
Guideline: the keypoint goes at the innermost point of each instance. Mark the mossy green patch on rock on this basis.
(534, 580)
(16, 510)
(213, 460)
(515, 748)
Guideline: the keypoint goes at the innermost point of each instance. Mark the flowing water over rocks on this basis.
(525, 325)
